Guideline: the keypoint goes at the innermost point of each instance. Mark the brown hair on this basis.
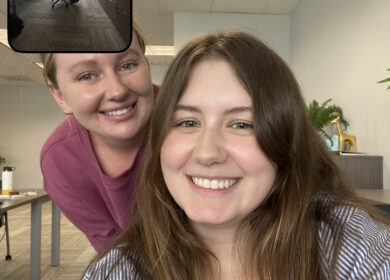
(49, 67)
(283, 241)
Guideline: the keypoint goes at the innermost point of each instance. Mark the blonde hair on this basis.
(49, 67)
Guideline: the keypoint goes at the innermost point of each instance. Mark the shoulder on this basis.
(111, 267)
(67, 129)
(364, 244)
(365, 247)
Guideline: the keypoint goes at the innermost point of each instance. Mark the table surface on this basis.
(8, 204)
(35, 232)
(381, 196)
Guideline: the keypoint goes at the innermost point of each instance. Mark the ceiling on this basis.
(156, 20)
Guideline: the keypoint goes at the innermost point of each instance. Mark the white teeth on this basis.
(119, 112)
(213, 184)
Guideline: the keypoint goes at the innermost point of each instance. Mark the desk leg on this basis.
(35, 247)
(55, 234)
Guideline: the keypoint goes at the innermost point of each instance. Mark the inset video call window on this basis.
(69, 25)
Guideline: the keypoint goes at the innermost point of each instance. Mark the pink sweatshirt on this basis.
(95, 203)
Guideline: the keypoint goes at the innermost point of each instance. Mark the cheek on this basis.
(83, 104)
(141, 82)
(80, 98)
(175, 152)
(250, 157)
(147, 104)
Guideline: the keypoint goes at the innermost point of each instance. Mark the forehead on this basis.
(70, 58)
(213, 81)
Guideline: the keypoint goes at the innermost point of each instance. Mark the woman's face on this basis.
(211, 162)
(110, 94)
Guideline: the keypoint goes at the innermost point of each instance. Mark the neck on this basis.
(339, 127)
(221, 244)
(115, 156)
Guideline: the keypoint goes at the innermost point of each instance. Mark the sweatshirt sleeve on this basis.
(95, 223)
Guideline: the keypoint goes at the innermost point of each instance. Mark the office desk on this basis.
(36, 218)
(380, 196)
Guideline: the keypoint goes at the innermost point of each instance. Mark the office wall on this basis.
(339, 50)
(273, 29)
(28, 115)
(158, 72)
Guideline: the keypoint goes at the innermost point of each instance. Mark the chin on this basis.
(209, 219)
(125, 135)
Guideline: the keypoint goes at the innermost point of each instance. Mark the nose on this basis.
(116, 89)
(210, 148)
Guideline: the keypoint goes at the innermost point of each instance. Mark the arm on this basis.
(365, 249)
(83, 209)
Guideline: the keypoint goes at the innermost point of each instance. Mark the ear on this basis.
(57, 95)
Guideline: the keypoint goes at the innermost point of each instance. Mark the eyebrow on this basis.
(93, 62)
(129, 51)
(195, 109)
(88, 62)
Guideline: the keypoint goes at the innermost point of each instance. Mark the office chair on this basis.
(56, 1)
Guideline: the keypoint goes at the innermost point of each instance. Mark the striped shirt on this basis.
(364, 251)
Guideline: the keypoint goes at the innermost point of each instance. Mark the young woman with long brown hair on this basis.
(238, 185)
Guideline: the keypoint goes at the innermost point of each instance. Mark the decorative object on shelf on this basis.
(350, 140)
(333, 143)
(321, 116)
(385, 80)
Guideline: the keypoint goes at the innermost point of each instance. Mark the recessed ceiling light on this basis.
(160, 50)
(39, 64)
(3, 37)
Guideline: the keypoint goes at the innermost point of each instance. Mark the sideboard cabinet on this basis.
(363, 171)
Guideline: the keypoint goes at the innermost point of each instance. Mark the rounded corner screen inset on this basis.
(69, 25)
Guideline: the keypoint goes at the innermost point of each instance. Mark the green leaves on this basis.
(385, 80)
(2, 160)
(321, 115)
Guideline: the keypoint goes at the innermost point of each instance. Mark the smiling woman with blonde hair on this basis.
(92, 160)
(238, 185)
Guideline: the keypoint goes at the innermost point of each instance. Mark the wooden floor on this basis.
(81, 27)
(76, 252)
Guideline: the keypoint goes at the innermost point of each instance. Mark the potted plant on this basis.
(321, 115)
(385, 80)
(2, 160)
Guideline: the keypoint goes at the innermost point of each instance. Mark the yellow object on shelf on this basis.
(350, 140)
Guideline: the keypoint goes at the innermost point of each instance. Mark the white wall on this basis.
(28, 115)
(339, 50)
(158, 72)
(272, 29)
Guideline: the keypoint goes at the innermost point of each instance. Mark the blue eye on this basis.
(128, 66)
(188, 124)
(87, 77)
(242, 125)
